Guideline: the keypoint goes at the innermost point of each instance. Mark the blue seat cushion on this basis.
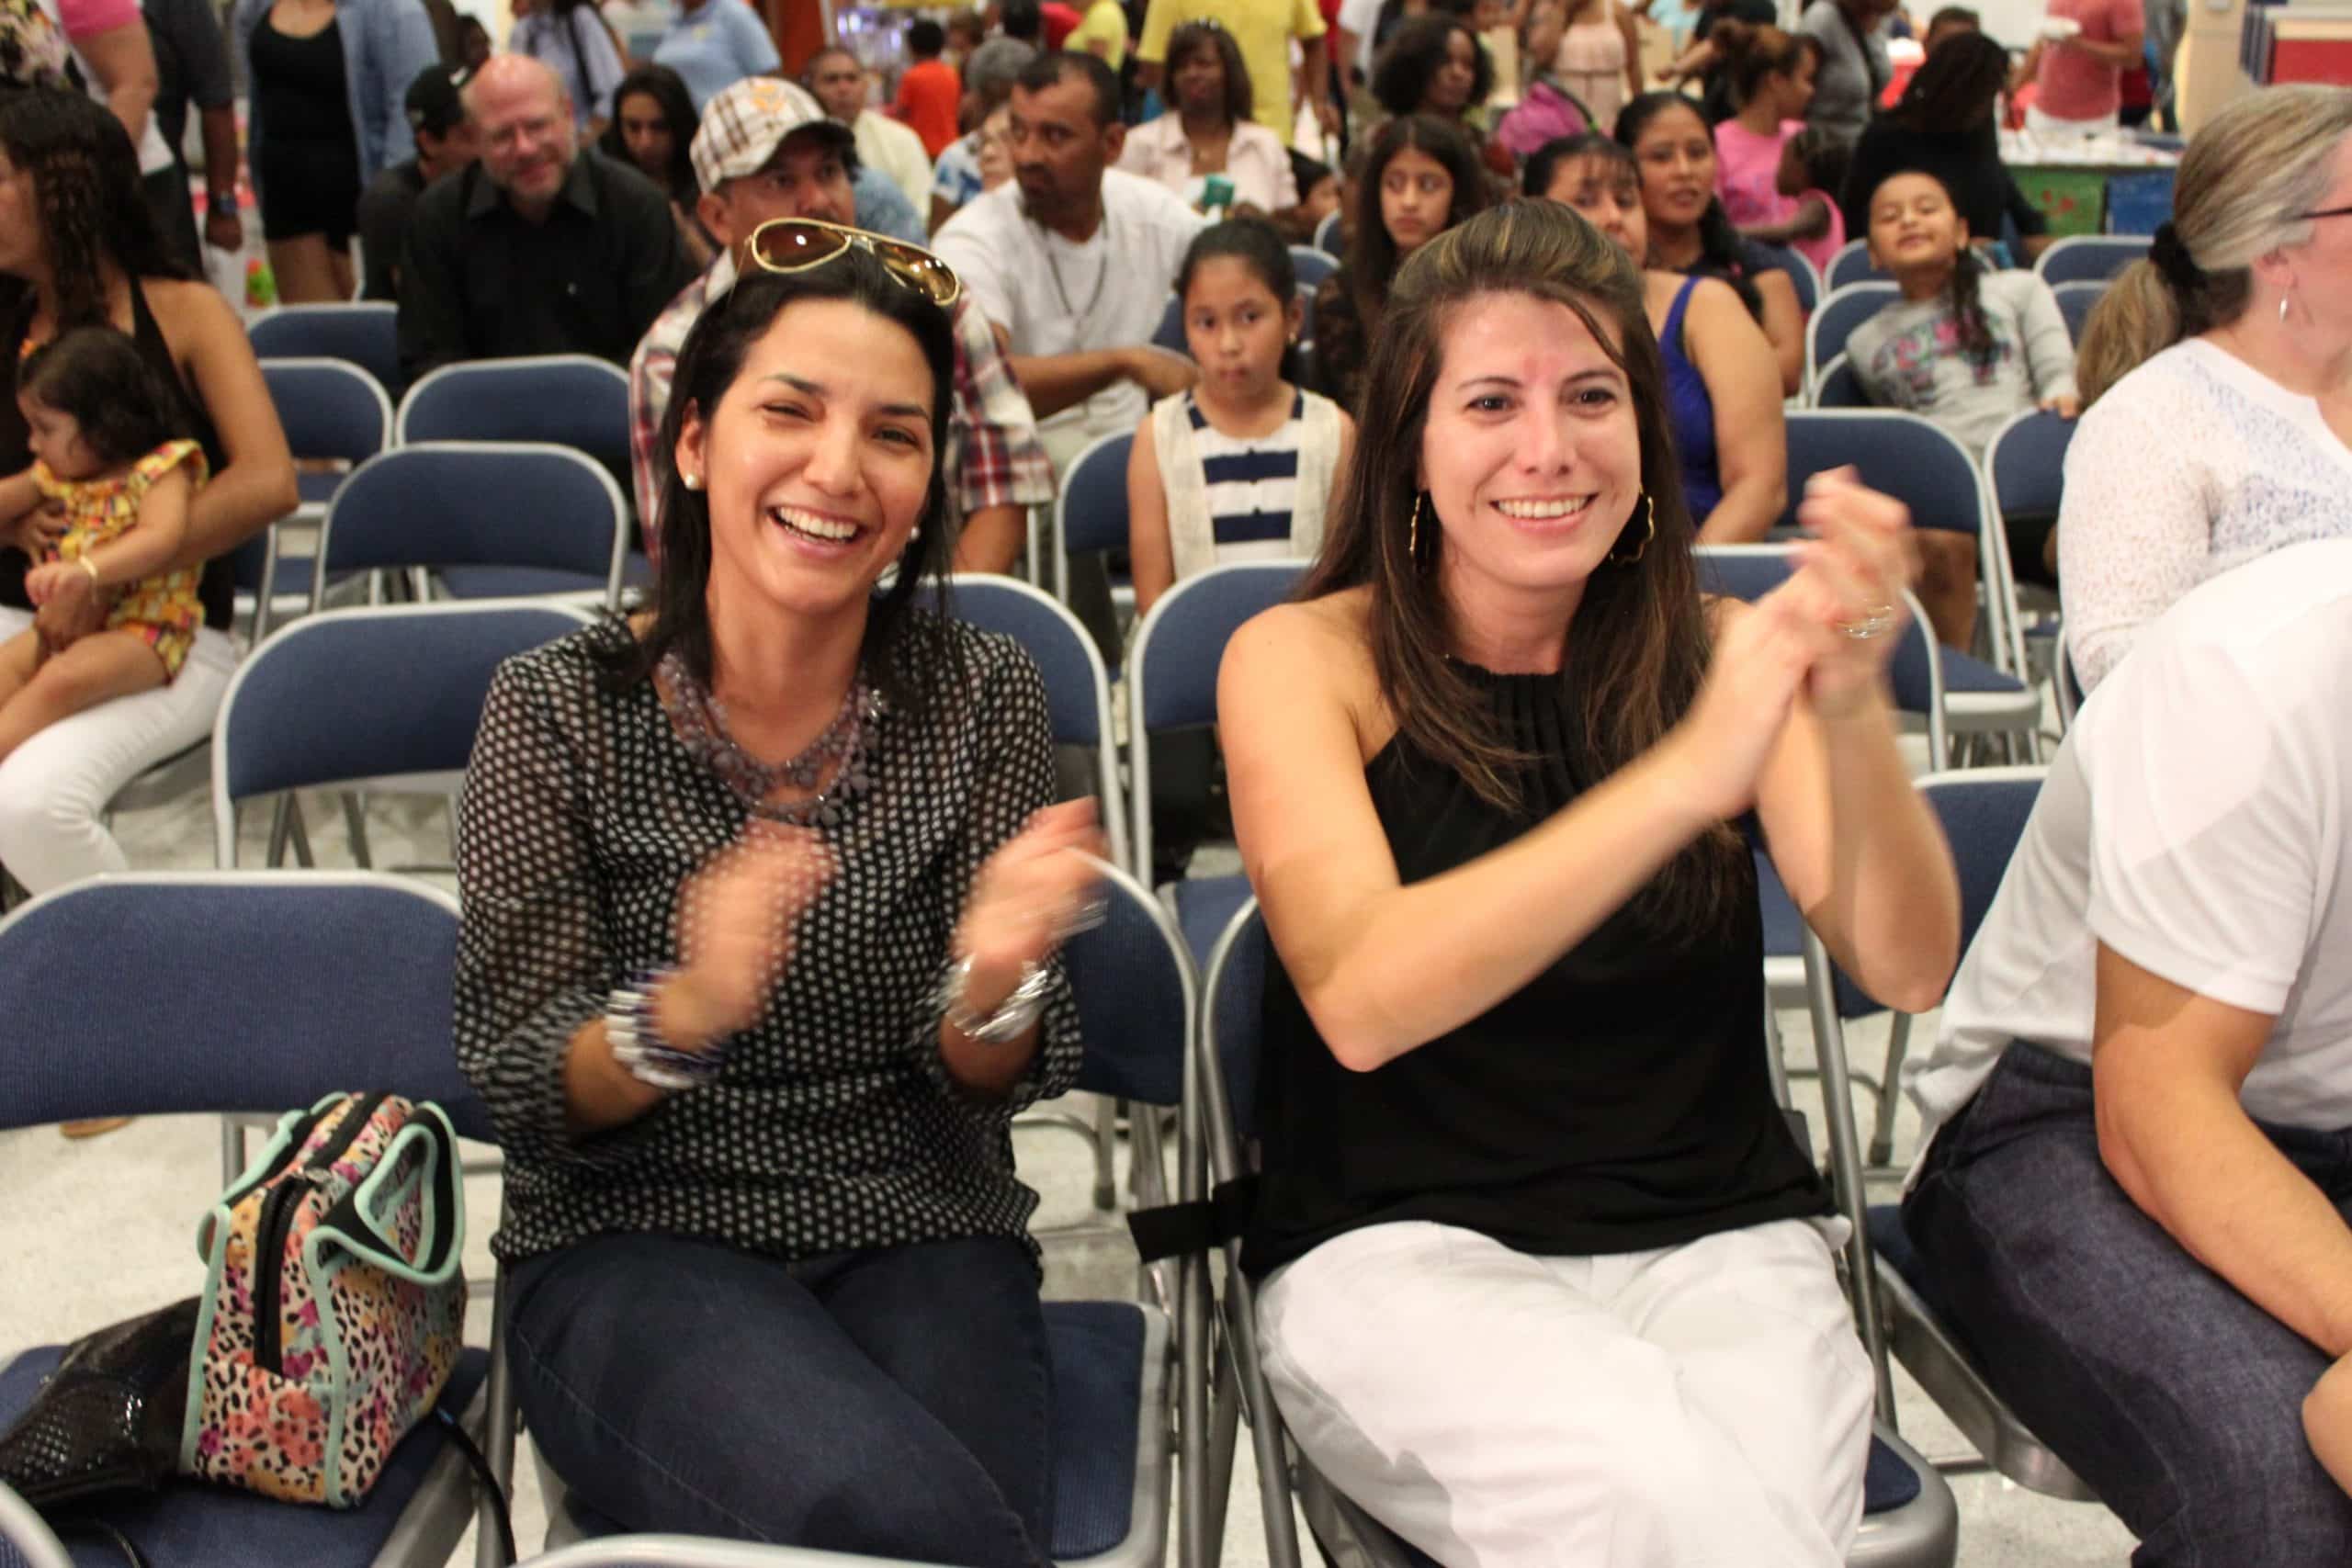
(1097, 1350)
(1204, 906)
(1889, 1482)
(1965, 673)
(190, 1524)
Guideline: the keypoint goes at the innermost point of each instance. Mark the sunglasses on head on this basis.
(788, 245)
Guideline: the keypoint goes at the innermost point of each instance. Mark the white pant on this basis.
(54, 787)
(1700, 1406)
(2046, 125)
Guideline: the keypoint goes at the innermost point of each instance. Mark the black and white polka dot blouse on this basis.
(833, 1126)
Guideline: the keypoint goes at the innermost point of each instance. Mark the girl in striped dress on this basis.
(1241, 466)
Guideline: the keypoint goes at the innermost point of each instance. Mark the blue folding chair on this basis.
(1827, 329)
(1801, 270)
(1091, 513)
(1852, 264)
(1839, 388)
(563, 400)
(1171, 684)
(2076, 300)
(2090, 258)
(1984, 812)
(1909, 1517)
(696, 1551)
(1113, 1375)
(492, 520)
(365, 332)
(382, 699)
(1921, 465)
(1312, 265)
(1169, 333)
(1328, 238)
(332, 411)
(212, 992)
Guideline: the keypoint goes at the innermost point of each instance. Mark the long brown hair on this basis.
(2253, 166)
(1638, 645)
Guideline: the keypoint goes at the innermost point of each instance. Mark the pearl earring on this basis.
(692, 481)
(2282, 310)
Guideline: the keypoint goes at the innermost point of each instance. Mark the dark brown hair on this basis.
(1191, 35)
(1638, 645)
(1372, 251)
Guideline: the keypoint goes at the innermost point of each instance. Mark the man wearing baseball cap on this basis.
(766, 150)
(444, 142)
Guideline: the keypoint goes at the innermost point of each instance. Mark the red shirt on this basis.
(929, 95)
(1061, 22)
(2072, 84)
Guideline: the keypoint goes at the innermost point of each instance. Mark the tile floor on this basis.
(96, 1231)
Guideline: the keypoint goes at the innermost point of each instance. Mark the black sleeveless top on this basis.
(217, 587)
(1620, 1101)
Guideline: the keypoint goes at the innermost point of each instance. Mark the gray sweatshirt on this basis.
(1907, 356)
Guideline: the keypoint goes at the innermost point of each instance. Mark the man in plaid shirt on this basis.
(766, 150)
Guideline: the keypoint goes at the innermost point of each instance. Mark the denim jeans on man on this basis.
(893, 1403)
(2177, 1398)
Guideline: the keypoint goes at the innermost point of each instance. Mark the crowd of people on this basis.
(764, 885)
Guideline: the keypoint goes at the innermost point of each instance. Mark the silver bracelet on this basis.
(1013, 1017)
(635, 1037)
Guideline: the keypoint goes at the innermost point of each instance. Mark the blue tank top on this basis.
(1690, 414)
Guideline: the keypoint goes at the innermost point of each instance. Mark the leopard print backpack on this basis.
(334, 1305)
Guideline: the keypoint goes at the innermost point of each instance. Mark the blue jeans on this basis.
(893, 1403)
(2176, 1397)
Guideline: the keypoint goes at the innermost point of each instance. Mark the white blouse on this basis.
(2192, 463)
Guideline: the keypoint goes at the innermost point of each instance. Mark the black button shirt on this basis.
(480, 281)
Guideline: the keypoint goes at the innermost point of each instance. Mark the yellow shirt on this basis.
(1262, 27)
(1108, 20)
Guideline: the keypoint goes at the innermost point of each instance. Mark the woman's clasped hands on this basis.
(1829, 632)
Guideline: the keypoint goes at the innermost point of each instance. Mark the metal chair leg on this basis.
(1106, 1152)
(355, 821)
(1898, 1041)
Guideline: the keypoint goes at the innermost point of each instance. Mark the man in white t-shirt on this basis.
(1075, 261)
(2134, 1202)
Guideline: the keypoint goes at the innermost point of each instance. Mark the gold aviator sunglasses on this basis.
(788, 245)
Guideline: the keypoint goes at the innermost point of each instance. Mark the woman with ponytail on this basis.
(1690, 232)
(2217, 375)
(1968, 347)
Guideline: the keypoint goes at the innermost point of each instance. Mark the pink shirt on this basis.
(1818, 251)
(2070, 85)
(80, 18)
(1747, 169)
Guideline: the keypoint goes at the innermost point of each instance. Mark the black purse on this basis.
(109, 1419)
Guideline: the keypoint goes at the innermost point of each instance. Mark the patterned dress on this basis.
(163, 609)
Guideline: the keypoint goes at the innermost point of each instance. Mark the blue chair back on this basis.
(2076, 300)
(1852, 264)
(1091, 513)
(2024, 463)
(2090, 258)
(1328, 238)
(1232, 1015)
(366, 332)
(1834, 321)
(1800, 268)
(1984, 812)
(1839, 388)
(329, 408)
(1169, 333)
(226, 991)
(1312, 265)
(473, 503)
(1909, 458)
(563, 400)
(1134, 993)
(382, 693)
(1077, 687)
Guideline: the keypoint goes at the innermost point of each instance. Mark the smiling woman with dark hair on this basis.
(762, 895)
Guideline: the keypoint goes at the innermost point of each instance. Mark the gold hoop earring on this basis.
(1649, 532)
(1413, 533)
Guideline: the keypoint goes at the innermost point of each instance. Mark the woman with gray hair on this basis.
(2238, 329)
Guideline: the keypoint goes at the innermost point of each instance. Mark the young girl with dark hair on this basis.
(1688, 231)
(1420, 179)
(1969, 347)
(1240, 467)
(110, 446)
(1771, 81)
(1943, 125)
